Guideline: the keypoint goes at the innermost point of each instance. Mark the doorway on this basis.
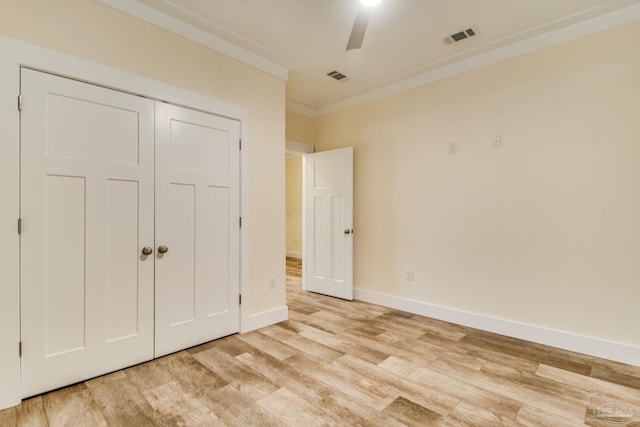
(294, 179)
(319, 219)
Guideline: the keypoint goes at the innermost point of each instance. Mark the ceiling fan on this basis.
(360, 24)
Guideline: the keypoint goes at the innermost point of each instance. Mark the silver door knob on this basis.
(347, 231)
(162, 249)
(147, 250)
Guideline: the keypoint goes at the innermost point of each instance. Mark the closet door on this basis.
(87, 188)
(197, 230)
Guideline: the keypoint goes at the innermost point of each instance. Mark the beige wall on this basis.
(294, 205)
(299, 128)
(546, 229)
(90, 30)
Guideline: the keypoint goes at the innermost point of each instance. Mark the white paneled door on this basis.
(197, 223)
(96, 229)
(329, 222)
(87, 211)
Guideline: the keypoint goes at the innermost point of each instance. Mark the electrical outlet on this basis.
(496, 142)
(453, 147)
(272, 282)
(408, 275)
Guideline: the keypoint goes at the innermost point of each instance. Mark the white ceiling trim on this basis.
(552, 38)
(162, 20)
(302, 109)
(295, 147)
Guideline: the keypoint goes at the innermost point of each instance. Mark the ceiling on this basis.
(404, 39)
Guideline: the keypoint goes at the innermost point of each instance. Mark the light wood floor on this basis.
(345, 363)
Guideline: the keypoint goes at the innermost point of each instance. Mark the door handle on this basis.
(147, 250)
(162, 249)
(348, 231)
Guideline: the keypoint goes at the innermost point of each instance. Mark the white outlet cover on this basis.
(453, 147)
(408, 275)
(496, 142)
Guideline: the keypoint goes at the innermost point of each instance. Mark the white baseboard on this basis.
(292, 254)
(618, 352)
(266, 318)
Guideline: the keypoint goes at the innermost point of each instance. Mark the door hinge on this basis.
(240, 299)
(20, 102)
(20, 349)
(240, 221)
(19, 226)
(240, 144)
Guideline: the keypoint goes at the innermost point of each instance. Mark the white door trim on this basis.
(13, 55)
(9, 242)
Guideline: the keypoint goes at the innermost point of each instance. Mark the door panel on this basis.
(197, 212)
(329, 222)
(121, 261)
(64, 285)
(216, 270)
(87, 208)
(182, 271)
(101, 132)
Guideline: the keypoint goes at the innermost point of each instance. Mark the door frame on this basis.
(16, 54)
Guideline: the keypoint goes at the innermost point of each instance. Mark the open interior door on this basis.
(329, 223)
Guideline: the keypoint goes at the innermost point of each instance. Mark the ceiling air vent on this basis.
(336, 75)
(459, 36)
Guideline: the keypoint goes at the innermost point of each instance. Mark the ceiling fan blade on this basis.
(359, 28)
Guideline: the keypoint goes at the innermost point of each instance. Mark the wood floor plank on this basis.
(537, 417)
(439, 328)
(587, 385)
(235, 406)
(436, 400)
(410, 413)
(398, 326)
(292, 410)
(342, 344)
(523, 391)
(177, 406)
(400, 366)
(365, 390)
(148, 375)
(281, 374)
(30, 413)
(302, 344)
(617, 375)
(401, 347)
(193, 375)
(269, 345)
(527, 350)
(466, 414)
(235, 372)
(72, 406)
(501, 406)
(299, 380)
(9, 417)
(233, 346)
(480, 351)
(120, 401)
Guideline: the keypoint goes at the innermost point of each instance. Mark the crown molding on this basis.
(300, 108)
(552, 38)
(169, 23)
